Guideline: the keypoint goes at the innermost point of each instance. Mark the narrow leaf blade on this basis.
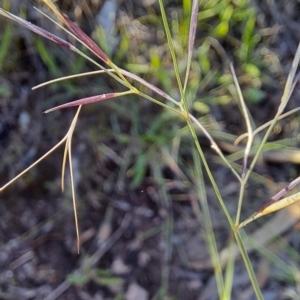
(86, 100)
(90, 44)
(272, 208)
(40, 31)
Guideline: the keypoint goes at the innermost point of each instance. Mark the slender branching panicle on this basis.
(130, 83)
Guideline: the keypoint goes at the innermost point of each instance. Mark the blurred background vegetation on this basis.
(140, 236)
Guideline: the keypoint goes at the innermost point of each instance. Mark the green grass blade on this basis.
(206, 219)
(246, 116)
(228, 282)
(5, 42)
(284, 100)
(248, 265)
(171, 47)
(191, 41)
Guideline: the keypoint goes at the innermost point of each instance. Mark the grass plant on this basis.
(135, 86)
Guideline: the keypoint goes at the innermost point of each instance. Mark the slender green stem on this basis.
(69, 77)
(206, 219)
(120, 78)
(229, 272)
(265, 125)
(211, 178)
(171, 48)
(252, 165)
(226, 212)
(215, 146)
(246, 115)
(178, 112)
(284, 100)
(248, 265)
